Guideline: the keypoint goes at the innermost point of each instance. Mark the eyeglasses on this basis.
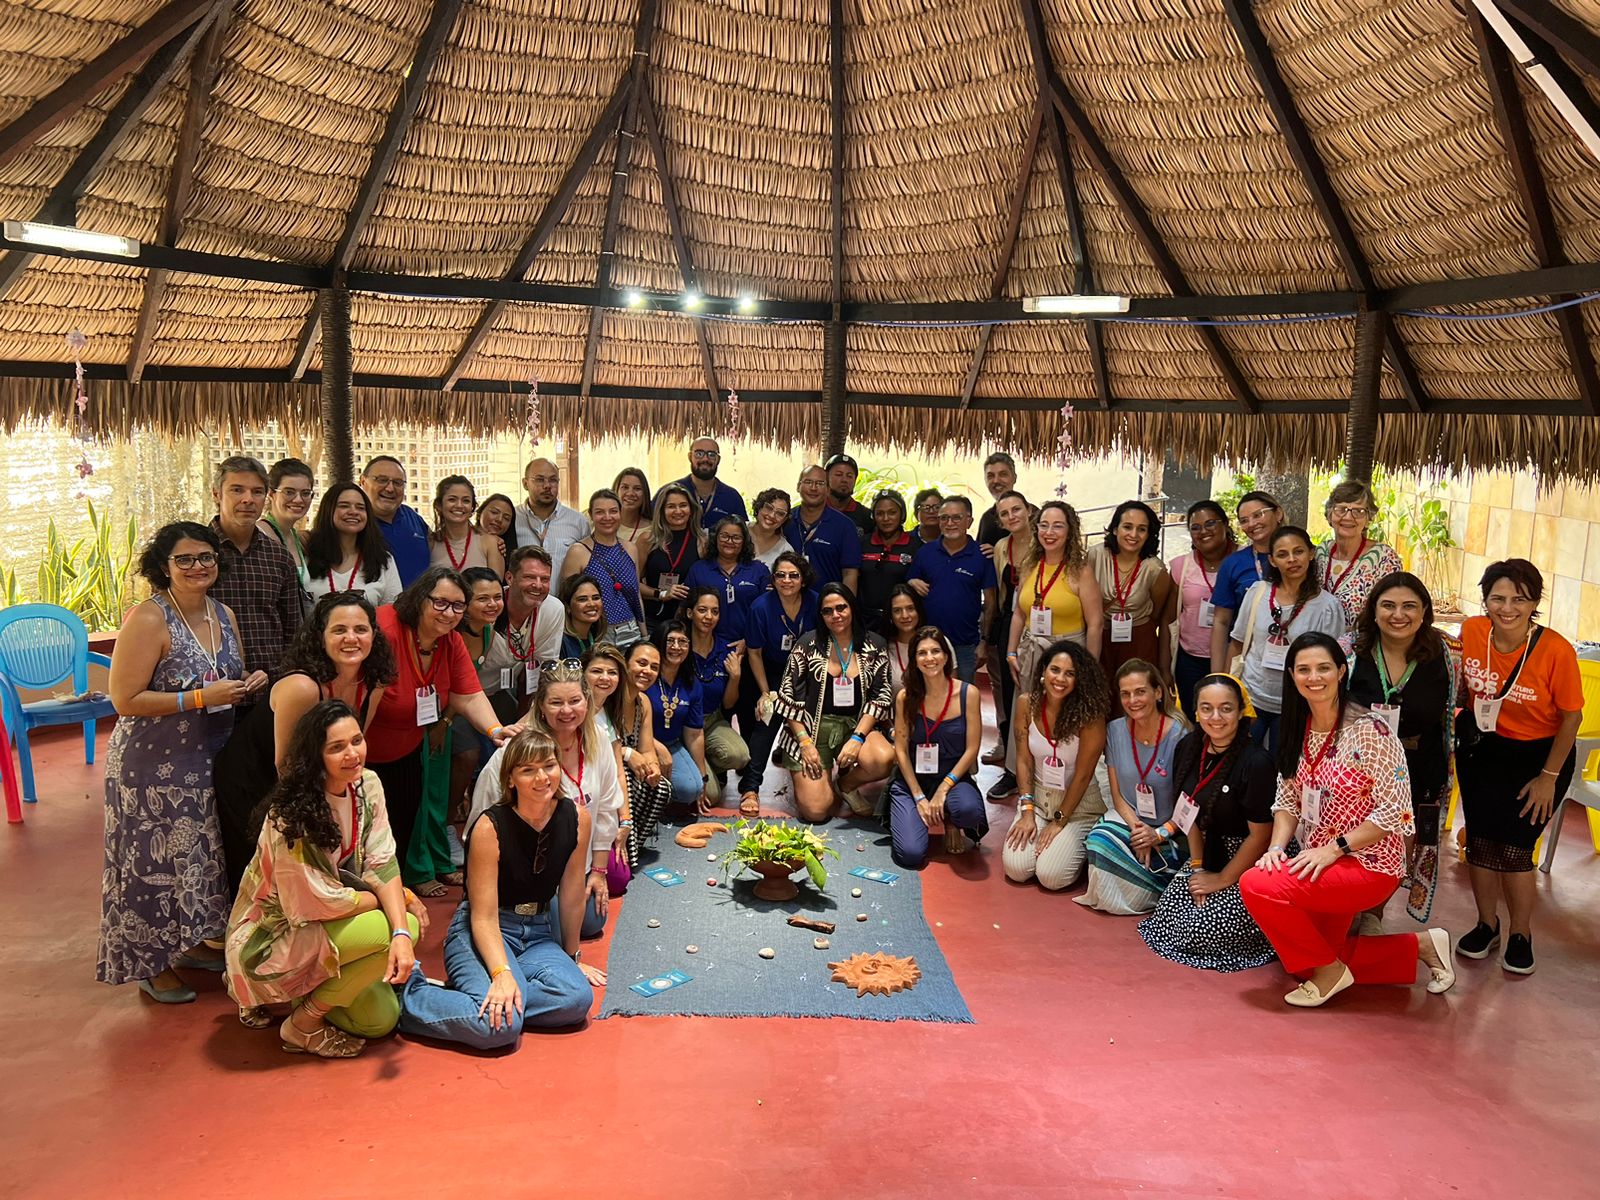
(296, 493)
(791, 575)
(953, 516)
(706, 453)
(835, 610)
(813, 483)
(384, 482)
(1348, 510)
(931, 506)
(441, 605)
(185, 561)
(1203, 526)
(678, 643)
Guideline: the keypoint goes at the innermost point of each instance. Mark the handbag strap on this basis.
(1516, 672)
(1250, 619)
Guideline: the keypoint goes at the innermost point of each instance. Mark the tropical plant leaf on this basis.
(815, 869)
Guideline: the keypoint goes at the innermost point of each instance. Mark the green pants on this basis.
(358, 999)
(725, 749)
(428, 855)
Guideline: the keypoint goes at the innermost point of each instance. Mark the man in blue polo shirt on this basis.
(716, 499)
(404, 532)
(1259, 518)
(956, 582)
(826, 537)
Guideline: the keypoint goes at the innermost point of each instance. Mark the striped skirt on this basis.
(1118, 882)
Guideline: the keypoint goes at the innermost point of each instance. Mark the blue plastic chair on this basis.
(40, 646)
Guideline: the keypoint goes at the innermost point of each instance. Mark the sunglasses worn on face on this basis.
(834, 610)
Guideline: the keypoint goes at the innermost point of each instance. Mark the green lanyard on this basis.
(292, 545)
(844, 659)
(1389, 689)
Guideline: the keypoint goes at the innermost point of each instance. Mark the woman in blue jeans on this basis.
(938, 730)
(679, 719)
(510, 966)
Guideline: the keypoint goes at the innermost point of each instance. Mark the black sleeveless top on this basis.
(531, 862)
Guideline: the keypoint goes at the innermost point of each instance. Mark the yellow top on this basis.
(1061, 598)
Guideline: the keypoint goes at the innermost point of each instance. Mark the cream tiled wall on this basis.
(1496, 515)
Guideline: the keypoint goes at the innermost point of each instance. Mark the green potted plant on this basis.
(776, 850)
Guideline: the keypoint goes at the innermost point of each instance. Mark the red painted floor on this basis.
(1094, 1069)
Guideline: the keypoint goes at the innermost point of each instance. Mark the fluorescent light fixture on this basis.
(1081, 305)
(65, 237)
(633, 297)
(691, 299)
(747, 304)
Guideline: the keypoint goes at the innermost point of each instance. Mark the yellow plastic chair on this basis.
(1585, 788)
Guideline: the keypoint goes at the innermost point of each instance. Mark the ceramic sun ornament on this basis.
(877, 973)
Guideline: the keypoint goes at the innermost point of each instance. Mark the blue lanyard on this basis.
(844, 660)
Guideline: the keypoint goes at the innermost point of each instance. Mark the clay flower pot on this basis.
(775, 883)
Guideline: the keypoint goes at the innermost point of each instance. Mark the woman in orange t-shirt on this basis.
(1522, 693)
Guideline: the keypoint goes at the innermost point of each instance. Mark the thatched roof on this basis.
(1315, 156)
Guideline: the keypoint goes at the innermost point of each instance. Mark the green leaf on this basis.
(819, 876)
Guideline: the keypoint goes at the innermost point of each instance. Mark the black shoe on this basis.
(1480, 941)
(1004, 789)
(1518, 958)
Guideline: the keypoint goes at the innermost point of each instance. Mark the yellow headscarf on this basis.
(1249, 709)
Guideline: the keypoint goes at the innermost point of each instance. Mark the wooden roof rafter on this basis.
(549, 217)
(60, 207)
(1500, 76)
(1144, 230)
(680, 239)
(1314, 172)
(638, 72)
(99, 73)
(180, 182)
(404, 110)
(1550, 24)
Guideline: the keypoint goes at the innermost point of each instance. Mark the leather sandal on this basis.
(430, 889)
(750, 805)
(326, 1042)
(254, 1016)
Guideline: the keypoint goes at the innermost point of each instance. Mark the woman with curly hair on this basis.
(456, 542)
(322, 921)
(1057, 593)
(1064, 713)
(770, 519)
(346, 551)
(337, 654)
(176, 673)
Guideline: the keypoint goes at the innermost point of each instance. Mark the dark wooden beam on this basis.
(96, 75)
(835, 333)
(1566, 33)
(638, 82)
(1361, 425)
(680, 238)
(1144, 230)
(180, 182)
(1314, 172)
(434, 36)
(60, 207)
(1511, 117)
(549, 217)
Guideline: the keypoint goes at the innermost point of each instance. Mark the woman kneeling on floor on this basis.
(510, 967)
(1137, 847)
(322, 921)
(1064, 714)
(1343, 783)
(938, 732)
(1201, 921)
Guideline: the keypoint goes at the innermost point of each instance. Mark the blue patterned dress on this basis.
(163, 891)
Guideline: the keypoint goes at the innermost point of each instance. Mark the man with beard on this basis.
(404, 531)
(716, 499)
(842, 472)
(255, 575)
(532, 619)
(543, 521)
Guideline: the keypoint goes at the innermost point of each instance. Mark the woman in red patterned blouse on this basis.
(1343, 785)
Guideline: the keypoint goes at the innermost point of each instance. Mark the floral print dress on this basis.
(162, 889)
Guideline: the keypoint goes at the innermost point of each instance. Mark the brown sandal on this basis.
(254, 1016)
(431, 889)
(327, 1042)
(454, 879)
(750, 805)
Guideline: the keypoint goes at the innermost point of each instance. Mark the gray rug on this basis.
(730, 925)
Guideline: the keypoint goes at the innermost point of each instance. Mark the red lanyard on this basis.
(1042, 589)
(1116, 576)
(1211, 588)
(1277, 615)
(351, 582)
(578, 781)
(425, 678)
(355, 824)
(1327, 573)
(1055, 746)
(525, 654)
(929, 730)
(361, 694)
(1155, 752)
(683, 548)
(1207, 776)
(899, 661)
(465, 550)
(1314, 764)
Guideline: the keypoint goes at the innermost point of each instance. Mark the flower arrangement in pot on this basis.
(776, 850)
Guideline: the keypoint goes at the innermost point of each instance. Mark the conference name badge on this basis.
(427, 705)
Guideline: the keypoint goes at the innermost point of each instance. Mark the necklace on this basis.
(449, 549)
(209, 652)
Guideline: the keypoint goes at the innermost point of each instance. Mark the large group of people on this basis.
(1248, 746)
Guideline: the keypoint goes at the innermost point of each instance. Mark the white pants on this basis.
(1062, 862)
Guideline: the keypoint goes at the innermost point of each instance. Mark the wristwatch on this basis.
(1344, 846)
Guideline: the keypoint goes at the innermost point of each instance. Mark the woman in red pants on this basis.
(1343, 784)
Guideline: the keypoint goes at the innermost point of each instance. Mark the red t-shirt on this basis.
(395, 732)
(1548, 685)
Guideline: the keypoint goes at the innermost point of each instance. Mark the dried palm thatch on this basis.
(1183, 174)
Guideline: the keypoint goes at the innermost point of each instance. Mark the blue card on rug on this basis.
(657, 984)
(664, 877)
(875, 874)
